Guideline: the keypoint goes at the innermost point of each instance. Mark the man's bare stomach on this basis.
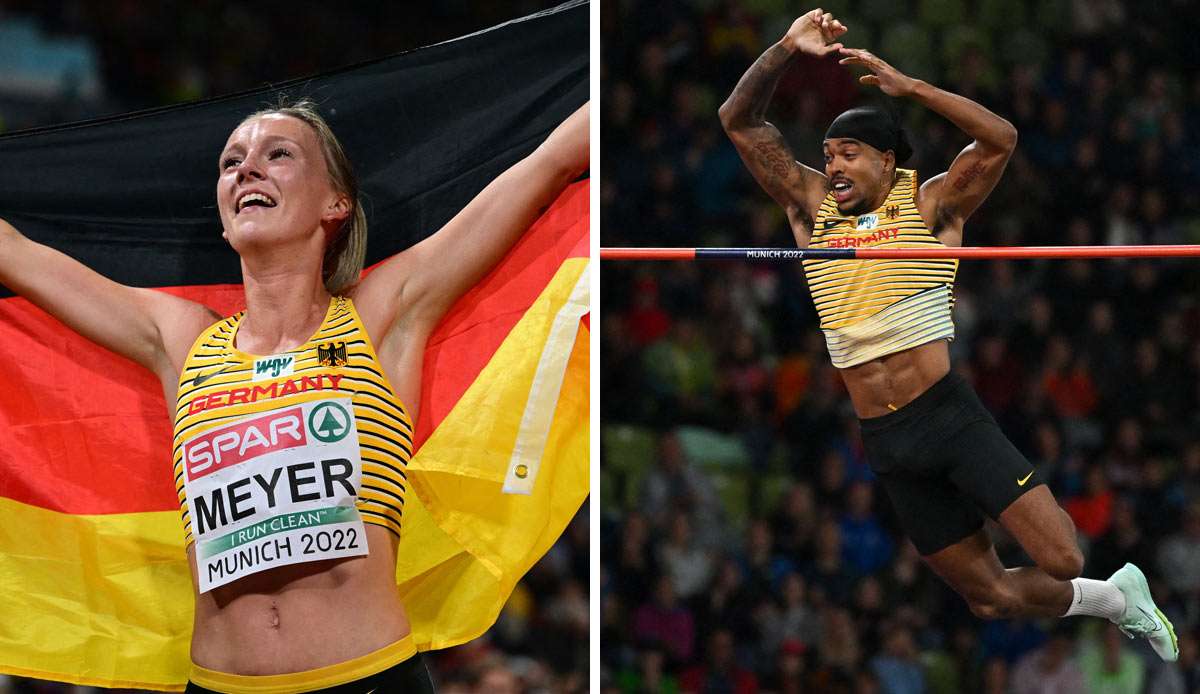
(888, 383)
(302, 616)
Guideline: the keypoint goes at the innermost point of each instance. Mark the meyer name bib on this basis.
(275, 488)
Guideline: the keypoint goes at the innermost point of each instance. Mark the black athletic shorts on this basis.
(408, 676)
(944, 463)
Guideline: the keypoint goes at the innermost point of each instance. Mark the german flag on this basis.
(94, 583)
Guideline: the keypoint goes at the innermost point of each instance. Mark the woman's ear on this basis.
(339, 210)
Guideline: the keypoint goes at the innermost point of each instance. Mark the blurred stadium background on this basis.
(67, 60)
(745, 545)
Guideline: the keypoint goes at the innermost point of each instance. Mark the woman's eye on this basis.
(229, 162)
(280, 152)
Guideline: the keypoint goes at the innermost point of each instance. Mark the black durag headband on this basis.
(875, 127)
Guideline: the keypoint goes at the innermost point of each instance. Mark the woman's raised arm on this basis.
(422, 282)
(149, 327)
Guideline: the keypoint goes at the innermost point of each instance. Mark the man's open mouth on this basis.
(841, 189)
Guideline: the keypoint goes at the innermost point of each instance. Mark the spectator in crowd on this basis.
(650, 673)
(827, 573)
(1179, 555)
(673, 484)
(1109, 666)
(839, 648)
(666, 620)
(1123, 542)
(764, 567)
(795, 522)
(788, 673)
(1092, 511)
(793, 620)
(897, 667)
(499, 680)
(688, 565)
(866, 547)
(1051, 669)
(719, 672)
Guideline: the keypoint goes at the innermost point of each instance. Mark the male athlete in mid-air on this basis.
(936, 450)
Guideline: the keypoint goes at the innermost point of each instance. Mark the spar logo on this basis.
(329, 422)
(224, 447)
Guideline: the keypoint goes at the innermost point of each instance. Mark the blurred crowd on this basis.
(746, 546)
(157, 53)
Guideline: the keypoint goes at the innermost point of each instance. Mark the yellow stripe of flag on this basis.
(94, 599)
(462, 535)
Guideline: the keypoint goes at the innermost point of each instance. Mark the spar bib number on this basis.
(273, 489)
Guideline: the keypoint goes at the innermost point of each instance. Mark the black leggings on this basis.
(410, 677)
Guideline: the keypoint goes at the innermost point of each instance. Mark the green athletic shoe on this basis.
(1142, 617)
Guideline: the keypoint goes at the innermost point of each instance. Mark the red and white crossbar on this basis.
(1156, 251)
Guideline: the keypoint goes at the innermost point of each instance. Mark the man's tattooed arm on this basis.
(955, 195)
(760, 143)
(970, 174)
(747, 105)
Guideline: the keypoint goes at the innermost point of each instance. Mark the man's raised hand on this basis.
(889, 80)
(815, 33)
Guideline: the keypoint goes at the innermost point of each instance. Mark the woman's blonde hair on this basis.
(345, 254)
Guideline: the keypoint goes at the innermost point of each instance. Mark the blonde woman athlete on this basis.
(293, 419)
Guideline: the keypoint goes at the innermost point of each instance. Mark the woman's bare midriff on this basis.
(302, 616)
(888, 383)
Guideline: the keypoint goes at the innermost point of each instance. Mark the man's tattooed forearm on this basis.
(753, 91)
(774, 160)
(965, 178)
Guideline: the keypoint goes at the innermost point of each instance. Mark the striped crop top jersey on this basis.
(230, 394)
(872, 308)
